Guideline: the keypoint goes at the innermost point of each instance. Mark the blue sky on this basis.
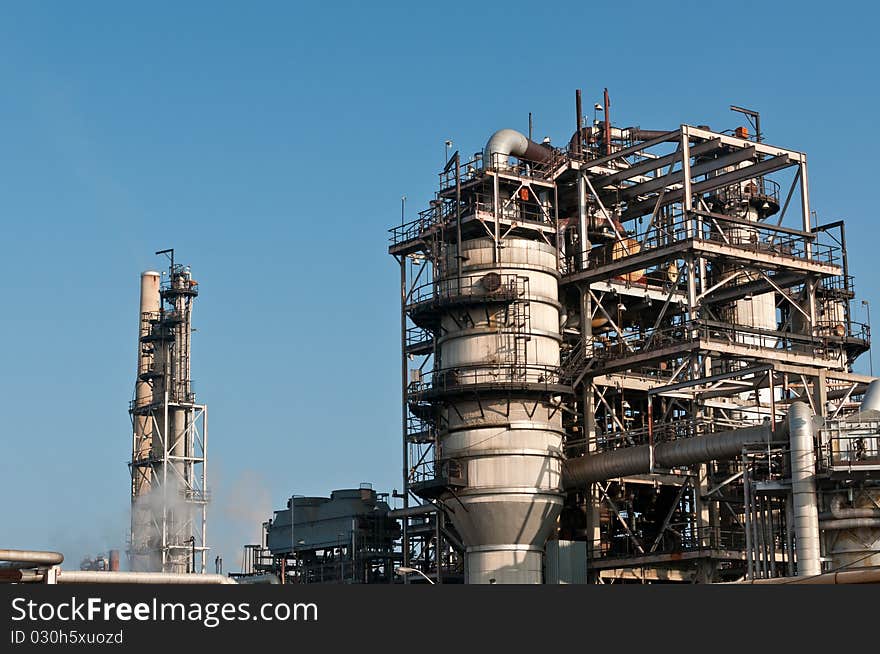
(270, 143)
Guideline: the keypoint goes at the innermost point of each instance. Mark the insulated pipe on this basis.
(509, 142)
(850, 523)
(803, 489)
(637, 460)
(420, 509)
(838, 512)
(862, 576)
(96, 577)
(34, 557)
(21, 576)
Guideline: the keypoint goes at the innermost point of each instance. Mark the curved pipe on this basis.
(34, 557)
(725, 445)
(509, 142)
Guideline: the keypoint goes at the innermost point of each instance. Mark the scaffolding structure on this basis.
(169, 495)
(698, 296)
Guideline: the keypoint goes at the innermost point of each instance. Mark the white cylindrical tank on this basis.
(506, 436)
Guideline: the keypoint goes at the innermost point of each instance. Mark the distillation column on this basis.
(496, 359)
(170, 435)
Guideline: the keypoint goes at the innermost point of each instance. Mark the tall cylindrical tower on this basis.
(170, 432)
(496, 360)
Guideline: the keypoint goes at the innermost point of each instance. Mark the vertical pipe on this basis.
(438, 550)
(756, 543)
(761, 530)
(582, 220)
(808, 244)
(750, 571)
(458, 254)
(607, 124)
(205, 486)
(530, 125)
(772, 540)
(803, 489)
(579, 122)
(688, 199)
(403, 379)
(789, 545)
(496, 206)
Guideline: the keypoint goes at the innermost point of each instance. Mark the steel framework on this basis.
(698, 295)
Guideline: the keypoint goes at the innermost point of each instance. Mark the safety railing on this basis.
(467, 170)
(512, 209)
(524, 168)
(534, 376)
(488, 286)
(837, 329)
(659, 432)
(842, 285)
(762, 188)
(678, 538)
(607, 348)
(147, 402)
(850, 444)
(752, 238)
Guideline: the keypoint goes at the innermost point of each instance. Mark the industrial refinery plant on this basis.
(625, 359)
(630, 359)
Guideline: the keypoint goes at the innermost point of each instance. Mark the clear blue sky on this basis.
(270, 143)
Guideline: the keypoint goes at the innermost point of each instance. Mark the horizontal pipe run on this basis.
(849, 523)
(34, 557)
(687, 451)
(97, 577)
(14, 576)
(860, 576)
(421, 509)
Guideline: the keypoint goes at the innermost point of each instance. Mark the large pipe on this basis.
(509, 142)
(862, 576)
(637, 460)
(803, 489)
(725, 445)
(95, 577)
(850, 523)
(838, 512)
(410, 511)
(35, 557)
